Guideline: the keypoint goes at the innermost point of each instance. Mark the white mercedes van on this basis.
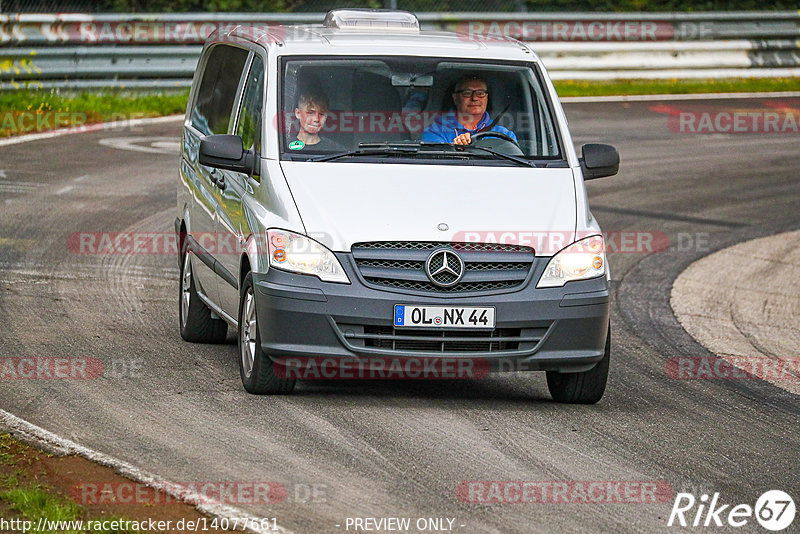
(361, 194)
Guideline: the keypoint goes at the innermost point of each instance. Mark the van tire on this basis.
(581, 388)
(196, 323)
(255, 366)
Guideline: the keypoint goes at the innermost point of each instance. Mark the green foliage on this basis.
(34, 502)
(165, 6)
(103, 103)
(612, 6)
(5, 448)
(604, 6)
(109, 105)
(656, 87)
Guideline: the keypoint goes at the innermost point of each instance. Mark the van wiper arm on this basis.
(393, 149)
(408, 149)
(462, 149)
(516, 159)
(370, 151)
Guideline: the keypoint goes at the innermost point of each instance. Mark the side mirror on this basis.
(597, 161)
(225, 152)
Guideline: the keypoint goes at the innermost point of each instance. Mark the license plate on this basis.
(443, 316)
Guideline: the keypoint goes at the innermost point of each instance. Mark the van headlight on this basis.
(581, 260)
(300, 254)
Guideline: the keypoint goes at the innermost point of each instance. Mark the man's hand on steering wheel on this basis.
(462, 139)
(490, 133)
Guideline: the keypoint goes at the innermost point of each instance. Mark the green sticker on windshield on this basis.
(296, 145)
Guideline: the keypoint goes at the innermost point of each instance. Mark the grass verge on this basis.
(36, 111)
(673, 87)
(35, 485)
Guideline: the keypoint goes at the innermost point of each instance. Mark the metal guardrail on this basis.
(127, 50)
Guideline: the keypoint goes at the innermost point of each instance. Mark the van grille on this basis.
(401, 265)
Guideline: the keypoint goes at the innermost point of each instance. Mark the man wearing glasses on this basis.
(470, 97)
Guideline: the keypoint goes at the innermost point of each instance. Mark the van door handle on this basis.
(218, 179)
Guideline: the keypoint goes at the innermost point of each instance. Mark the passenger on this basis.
(470, 97)
(312, 112)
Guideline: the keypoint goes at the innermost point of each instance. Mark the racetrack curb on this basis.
(655, 321)
(741, 302)
(55, 444)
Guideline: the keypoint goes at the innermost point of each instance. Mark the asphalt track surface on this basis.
(388, 449)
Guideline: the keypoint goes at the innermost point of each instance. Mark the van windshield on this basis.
(360, 108)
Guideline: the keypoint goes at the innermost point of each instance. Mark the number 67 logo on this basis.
(775, 510)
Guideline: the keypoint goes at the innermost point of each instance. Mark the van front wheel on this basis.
(255, 366)
(581, 388)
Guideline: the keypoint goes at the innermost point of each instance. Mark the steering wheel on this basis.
(501, 135)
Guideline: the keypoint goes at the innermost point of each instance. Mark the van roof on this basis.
(319, 40)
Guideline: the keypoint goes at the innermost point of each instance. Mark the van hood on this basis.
(345, 203)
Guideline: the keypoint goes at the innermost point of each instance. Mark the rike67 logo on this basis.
(774, 510)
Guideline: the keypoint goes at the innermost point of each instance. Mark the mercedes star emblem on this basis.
(444, 268)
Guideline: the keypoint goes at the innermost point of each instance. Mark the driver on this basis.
(470, 97)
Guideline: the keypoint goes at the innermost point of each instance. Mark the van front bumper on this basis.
(562, 329)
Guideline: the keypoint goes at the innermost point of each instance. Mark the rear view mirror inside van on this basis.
(412, 80)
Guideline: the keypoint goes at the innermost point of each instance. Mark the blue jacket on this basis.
(446, 127)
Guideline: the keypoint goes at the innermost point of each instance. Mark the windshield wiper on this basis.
(367, 151)
(462, 149)
(388, 149)
(420, 149)
(509, 157)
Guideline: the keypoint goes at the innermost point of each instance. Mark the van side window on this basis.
(249, 127)
(212, 110)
